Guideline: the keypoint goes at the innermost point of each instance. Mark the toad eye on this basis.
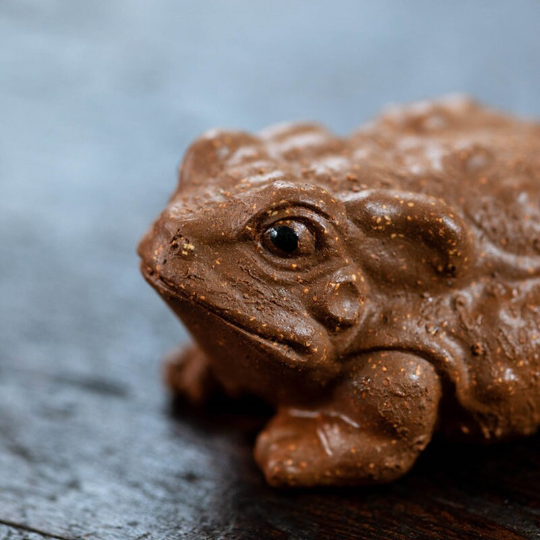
(284, 238)
(289, 239)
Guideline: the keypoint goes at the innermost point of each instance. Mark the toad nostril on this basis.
(176, 241)
(180, 245)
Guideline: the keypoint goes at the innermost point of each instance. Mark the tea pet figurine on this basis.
(374, 288)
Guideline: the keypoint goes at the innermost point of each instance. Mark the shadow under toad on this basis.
(446, 474)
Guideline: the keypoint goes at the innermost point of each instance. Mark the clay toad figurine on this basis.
(374, 289)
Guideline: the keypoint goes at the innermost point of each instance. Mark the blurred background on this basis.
(99, 100)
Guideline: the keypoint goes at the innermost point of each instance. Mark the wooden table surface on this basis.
(98, 100)
(101, 457)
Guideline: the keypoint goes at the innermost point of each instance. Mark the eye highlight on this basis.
(288, 239)
(284, 238)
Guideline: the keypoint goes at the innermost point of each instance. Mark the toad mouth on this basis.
(286, 349)
(288, 352)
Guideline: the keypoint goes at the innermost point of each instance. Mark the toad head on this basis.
(273, 274)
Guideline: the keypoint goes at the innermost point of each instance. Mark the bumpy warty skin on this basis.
(418, 259)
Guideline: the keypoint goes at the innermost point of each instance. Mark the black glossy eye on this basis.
(288, 239)
(285, 238)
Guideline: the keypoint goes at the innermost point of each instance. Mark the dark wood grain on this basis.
(16, 532)
(96, 458)
(98, 101)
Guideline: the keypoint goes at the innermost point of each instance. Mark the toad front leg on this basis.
(372, 430)
(188, 374)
